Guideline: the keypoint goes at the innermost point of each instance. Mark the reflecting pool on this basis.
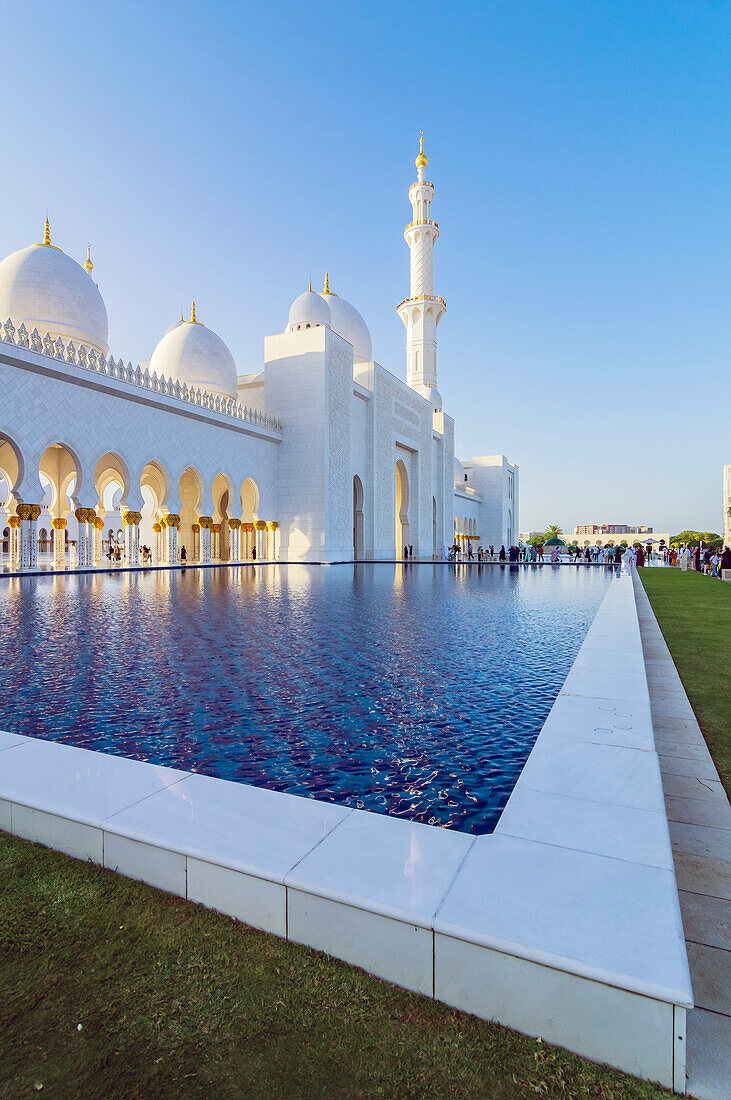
(412, 690)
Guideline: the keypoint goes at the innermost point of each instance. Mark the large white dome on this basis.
(308, 311)
(193, 354)
(348, 323)
(41, 287)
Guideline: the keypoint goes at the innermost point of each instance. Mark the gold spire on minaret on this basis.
(88, 265)
(421, 161)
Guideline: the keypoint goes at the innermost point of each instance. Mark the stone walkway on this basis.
(699, 817)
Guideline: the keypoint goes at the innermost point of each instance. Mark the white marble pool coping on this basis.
(563, 923)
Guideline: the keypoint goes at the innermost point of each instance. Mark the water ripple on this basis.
(408, 690)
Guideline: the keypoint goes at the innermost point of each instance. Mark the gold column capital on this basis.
(205, 521)
(234, 524)
(28, 511)
(131, 519)
(58, 524)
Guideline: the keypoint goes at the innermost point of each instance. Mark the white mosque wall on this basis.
(497, 482)
(336, 428)
(45, 402)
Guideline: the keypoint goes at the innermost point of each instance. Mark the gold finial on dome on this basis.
(326, 289)
(309, 285)
(88, 265)
(47, 236)
(181, 315)
(421, 161)
(192, 314)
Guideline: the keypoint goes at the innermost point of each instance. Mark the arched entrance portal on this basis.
(402, 508)
(357, 518)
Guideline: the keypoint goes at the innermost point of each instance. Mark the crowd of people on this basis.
(711, 561)
(532, 554)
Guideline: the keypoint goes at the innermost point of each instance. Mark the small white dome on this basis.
(435, 397)
(193, 354)
(307, 311)
(432, 395)
(349, 324)
(174, 325)
(41, 287)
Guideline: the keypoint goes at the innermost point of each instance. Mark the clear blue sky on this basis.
(581, 154)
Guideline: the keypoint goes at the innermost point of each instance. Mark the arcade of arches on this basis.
(88, 514)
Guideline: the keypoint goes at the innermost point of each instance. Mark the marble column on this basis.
(246, 540)
(59, 543)
(171, 522)
(83, 536)
(14, 525)
(156, 540)
(97, 532)
(204, 522)
(262, 547)
(274, 540)
(215, 542)
(131, 521)
(234, 526)
(28, 515)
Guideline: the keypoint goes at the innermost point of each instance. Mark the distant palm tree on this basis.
(553, 531)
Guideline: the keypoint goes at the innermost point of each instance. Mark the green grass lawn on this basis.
(177, 1001)
(694, 613)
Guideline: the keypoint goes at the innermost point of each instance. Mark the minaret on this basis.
(421, 311)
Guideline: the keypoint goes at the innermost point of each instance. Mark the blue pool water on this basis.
(416, 691)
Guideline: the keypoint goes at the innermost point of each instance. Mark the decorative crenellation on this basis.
(88, 358)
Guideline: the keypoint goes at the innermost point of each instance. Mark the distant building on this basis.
(599, 533)
(610, 529)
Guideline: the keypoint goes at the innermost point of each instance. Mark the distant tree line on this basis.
(695, 538)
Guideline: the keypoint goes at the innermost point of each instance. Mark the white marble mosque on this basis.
(322, 455)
